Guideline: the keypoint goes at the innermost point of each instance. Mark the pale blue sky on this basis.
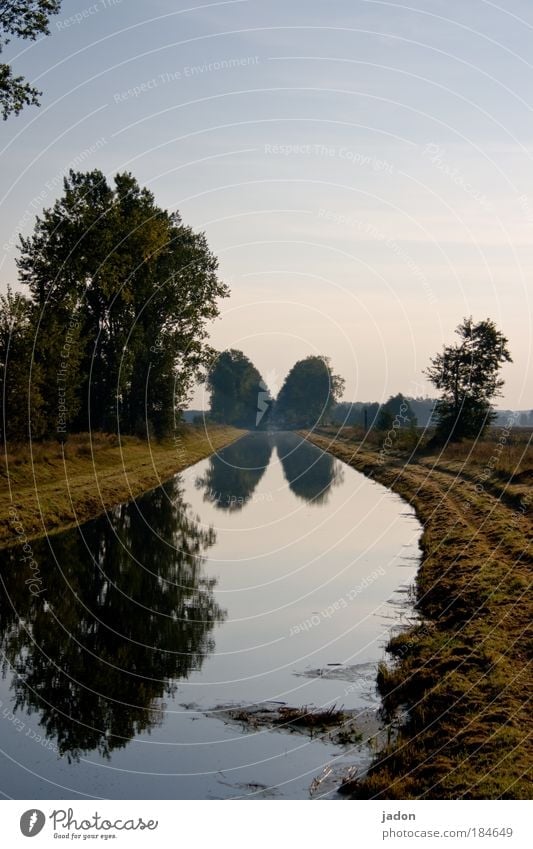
(362, 169)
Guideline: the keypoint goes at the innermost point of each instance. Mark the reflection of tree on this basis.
(121, 615)
(310, 473)
(233, 475)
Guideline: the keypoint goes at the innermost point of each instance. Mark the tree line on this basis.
(110, 334)
(467, 373)
(111, 331)
(24, 19)
(240, 396)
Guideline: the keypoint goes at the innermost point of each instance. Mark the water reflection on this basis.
(233, 475)
(310, 475)
(122, 611)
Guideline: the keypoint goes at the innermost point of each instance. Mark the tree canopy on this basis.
(310, 477)
(27, 19)
(467, 373)
(120, 293)
(396, 410)
(233, 474)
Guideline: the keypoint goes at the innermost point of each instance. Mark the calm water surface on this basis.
(270, 572)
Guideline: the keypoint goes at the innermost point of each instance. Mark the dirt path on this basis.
(464, 672)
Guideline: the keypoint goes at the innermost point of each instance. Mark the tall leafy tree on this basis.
(237, 389)
(140, 286)
(398, 412)
(27, 19)
(308, 394)
(356, 413)
(468, 375)
(21, 380)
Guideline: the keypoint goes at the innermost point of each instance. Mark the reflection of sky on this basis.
(309, 556)
(366, 244)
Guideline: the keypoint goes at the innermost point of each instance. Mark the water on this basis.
(270, 572)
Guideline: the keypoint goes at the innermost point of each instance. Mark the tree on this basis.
(310, 475)
(21, 399)
(468, 376)
(308, 394)
(237, 389)
(233, 474)
(107, 640)
(139, 288)
(26, 19)
(396, 409)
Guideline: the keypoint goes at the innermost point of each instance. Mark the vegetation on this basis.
(396, 408)
(20, 379)
(468, 375)
(230, 481)
(358, 413)
(112, 338)
(24, 19)
(51, 486)
(310, 478)
(460, 673)
(113, 334)
(348, 413)
(239, 395)
(331, 724)
(308, 394)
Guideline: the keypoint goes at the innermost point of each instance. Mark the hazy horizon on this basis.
(362, 171)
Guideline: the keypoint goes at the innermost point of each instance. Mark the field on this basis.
(48, 487)
(460, 676)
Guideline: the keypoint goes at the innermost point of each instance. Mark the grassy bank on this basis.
(463, 670)
(48, 487)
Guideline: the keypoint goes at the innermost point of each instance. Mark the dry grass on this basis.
(463, 672)
(47, 487)
(332, 724)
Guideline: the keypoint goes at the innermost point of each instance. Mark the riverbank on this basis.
(461, 672)
(49, 487)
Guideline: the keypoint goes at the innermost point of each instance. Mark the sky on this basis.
(362, 168)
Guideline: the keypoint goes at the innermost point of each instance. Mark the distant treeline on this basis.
(424, 410)
(240, 396)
